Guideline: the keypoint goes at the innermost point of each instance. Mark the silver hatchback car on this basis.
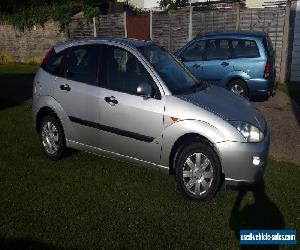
(133, 100)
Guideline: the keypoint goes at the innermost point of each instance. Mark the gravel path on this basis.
(283, 117)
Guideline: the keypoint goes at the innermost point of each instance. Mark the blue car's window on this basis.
(195, 52)
(218, 49)
(268, 45)
(175, 75)
(244, 49)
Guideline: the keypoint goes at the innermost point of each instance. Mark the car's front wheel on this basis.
(52, 137)
(198, 172)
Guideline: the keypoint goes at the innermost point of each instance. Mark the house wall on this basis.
(254, 3)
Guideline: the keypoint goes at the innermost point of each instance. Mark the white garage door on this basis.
(295, 67)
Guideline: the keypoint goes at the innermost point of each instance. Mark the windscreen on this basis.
(175, 75)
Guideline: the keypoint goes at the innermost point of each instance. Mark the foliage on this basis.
(171, 4)
(25, 14)
(131, 9)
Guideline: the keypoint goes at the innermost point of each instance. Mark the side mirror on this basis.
(144, 89)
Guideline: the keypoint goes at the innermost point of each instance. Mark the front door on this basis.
(218, 63)
(131, 125)
(193, 57)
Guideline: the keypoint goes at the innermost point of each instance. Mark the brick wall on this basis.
(31, 45)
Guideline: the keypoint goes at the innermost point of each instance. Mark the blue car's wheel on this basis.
(239, 87)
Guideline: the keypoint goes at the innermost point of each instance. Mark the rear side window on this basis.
(244, 49)
(53, 65)
(195, 52)
(83, 64)
(218, 49)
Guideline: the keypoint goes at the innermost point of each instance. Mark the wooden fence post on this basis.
(125, 24)
(151, 32)
(94, 27)
(237, 24)
(285, 44)
(190, 24)
(170, 31)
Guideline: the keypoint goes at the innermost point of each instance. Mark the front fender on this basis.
(183, 127)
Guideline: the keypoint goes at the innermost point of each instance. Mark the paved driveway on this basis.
(283, 119)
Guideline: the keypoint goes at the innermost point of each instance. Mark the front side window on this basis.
(244, 49)
(83, 64)
(218, 49)
(195, 52)
(124, 72)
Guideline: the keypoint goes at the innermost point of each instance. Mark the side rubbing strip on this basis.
(117, 131)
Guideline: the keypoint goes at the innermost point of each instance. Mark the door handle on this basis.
(196, 65)
(65, 87)
(224, 64)
(111, 100)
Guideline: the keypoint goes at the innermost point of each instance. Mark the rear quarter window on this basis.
(268, 45)
(245, 49)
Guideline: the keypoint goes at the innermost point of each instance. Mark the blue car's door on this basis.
(218, 63)
(193, 56)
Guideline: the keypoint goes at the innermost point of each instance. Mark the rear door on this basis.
(193, 57)
(78, 91)
(247, 58)
(218, 62)
(130, 124)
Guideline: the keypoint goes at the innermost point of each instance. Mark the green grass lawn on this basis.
(18, 68)
(86, 201)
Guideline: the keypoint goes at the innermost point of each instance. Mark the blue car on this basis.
(241, 62)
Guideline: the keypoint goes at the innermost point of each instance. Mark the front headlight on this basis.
(250, 132)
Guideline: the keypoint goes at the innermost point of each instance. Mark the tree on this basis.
(172, 4)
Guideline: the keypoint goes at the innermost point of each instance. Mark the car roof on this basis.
(124, 41)
(257, 34)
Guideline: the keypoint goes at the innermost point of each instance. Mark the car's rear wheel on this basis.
(239, 87)
(52, 137)
(198, 172)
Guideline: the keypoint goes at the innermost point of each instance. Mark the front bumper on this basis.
(237, 161)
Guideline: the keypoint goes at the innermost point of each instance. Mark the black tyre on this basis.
(198, 172)
(52, 137)
(239, 87)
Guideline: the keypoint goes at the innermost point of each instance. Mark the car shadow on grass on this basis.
(26, 244)
(263, 214)
(15, 89)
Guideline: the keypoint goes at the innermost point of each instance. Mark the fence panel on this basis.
(111, 25)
